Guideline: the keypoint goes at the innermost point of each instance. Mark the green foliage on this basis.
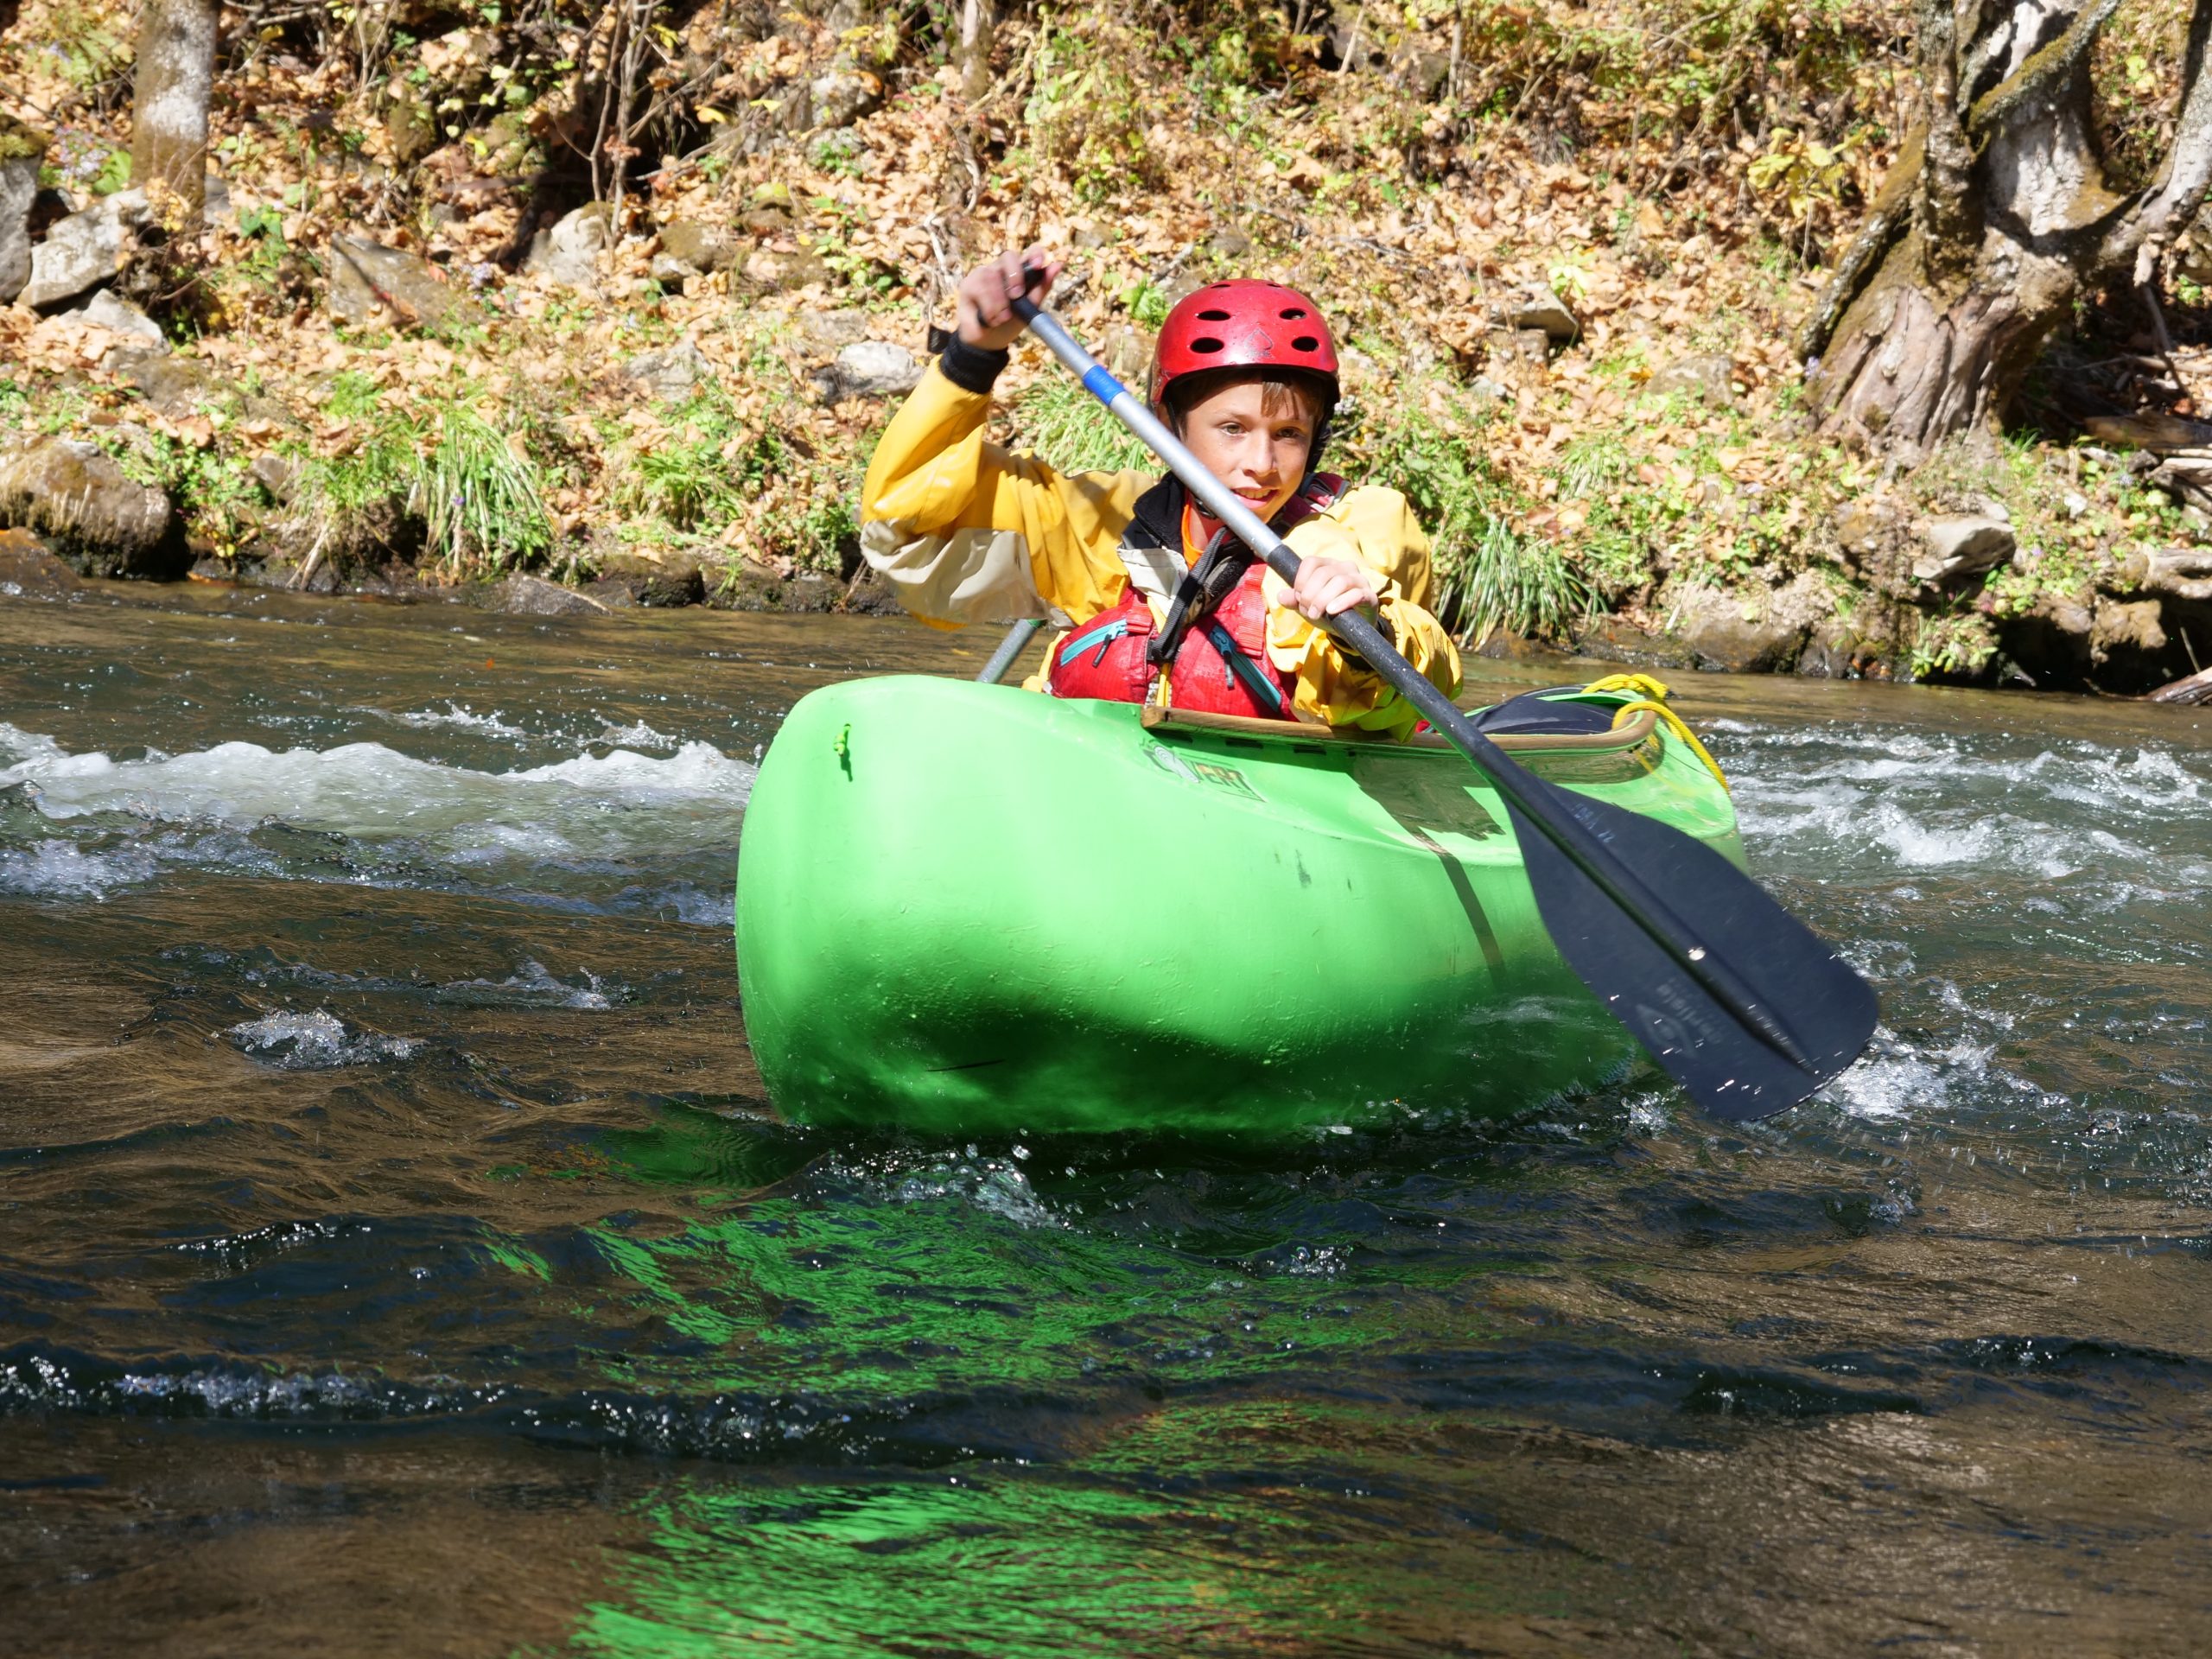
(263, 231)
(2135, 80)
(1146, 302)
(1488, 575)
(1086, 111)
(710, 468)
(212, 491)
(90, 45)
(114, 174)
(837, 152)
(351, 396)
(1622, 536)
(477, 493)
(461, 479)
(1057, 420)
(1957, 644)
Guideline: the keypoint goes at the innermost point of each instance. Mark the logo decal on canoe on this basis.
(1201, 771)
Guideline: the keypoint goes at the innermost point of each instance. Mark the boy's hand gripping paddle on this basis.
(1746, 1007)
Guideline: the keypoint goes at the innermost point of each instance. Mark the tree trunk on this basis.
(978, 30)
(168, 110)
(1996, 218)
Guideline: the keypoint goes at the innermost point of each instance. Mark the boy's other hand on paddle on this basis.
(988, 293)
(1327, 588)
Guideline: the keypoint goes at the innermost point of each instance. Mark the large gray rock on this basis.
(1750, 631)
(674, 577)
(1541, 308)
(752, 586)
(105, 309)
(1704, 379)
(777, 271)
(175, 385)
(671, 374)
(870, 368)
(702, 247)
(843, 96)
(1956, 546)
(21, 151)
(828, 332)
(535, 596)
(370, 283)
(102, 523)
(85, 249)
(568, 253)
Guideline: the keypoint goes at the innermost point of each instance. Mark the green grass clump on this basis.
(451, 475)
(1058, 420)
(477, 491)
(1621, 538)
(710, 470)
(1488, 575)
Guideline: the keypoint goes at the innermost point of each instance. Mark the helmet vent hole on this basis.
(1213, 316)
(1306, 343)
(1294, 313)
(1208, 344)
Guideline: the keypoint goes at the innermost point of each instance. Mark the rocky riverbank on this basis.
(429, 338)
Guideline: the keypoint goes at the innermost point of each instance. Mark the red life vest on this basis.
(1106, 656)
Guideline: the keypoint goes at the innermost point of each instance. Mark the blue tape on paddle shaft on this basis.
(1102, 386)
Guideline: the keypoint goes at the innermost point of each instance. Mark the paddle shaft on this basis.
(1576, 841)
(1010, 649)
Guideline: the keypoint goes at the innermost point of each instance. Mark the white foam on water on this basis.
(530, 985)
(621, 804)
(1861, 801)
(316, 1042)
(61, 869)
(995, 1187)
(454, 714)
(636, 735)
(18, 747)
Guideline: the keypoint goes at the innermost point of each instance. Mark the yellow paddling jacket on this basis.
(965, 530)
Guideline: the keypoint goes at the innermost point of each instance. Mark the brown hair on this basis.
(1279, 394)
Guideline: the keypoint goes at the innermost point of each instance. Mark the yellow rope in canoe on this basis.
(1652, 694)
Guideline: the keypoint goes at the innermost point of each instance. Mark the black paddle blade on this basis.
(1731, 1068)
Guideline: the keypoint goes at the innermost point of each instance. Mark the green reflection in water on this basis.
(960, 1280)
(1211, 1528)
(1085, 1419)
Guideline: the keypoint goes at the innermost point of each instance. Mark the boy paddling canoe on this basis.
(1159, 605)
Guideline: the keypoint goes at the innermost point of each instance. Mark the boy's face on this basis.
(1258, 452)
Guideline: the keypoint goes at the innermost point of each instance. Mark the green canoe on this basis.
(970, 910)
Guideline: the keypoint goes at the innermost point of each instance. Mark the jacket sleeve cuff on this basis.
(971, 367)
(1389, 631)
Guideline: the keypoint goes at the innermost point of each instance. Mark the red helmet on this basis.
(1244, 324)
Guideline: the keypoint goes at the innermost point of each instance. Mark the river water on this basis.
(397, 1254)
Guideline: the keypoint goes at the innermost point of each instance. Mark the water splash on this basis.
(316, 1042)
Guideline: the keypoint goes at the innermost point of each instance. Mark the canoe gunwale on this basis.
(1632, 735)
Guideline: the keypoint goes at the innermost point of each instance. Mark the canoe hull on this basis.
(969, 909)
